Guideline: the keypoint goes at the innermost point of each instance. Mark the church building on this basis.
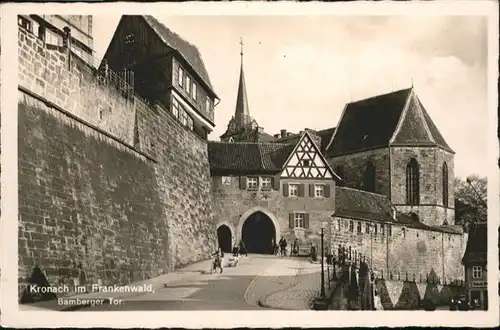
(381, 182)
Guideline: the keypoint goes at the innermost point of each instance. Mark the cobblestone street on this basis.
(258, 282)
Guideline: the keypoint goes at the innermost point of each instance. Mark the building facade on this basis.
(475, 264)
(118, 181)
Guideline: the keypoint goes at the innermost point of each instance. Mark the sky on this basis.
(300, 71)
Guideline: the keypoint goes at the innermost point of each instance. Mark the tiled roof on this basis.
(368, 123)
(187, 50)
(362, 205)
(325, 136)
(247, 157)
(371, 123)
(477, 246)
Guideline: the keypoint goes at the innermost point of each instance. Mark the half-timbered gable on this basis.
(307, 162)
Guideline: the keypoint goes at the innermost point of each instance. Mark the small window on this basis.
(337, 224)
(51, 38)
(24, 23)
(382, 231)
(477, 272)
(180, 78)
(190, 123)
(207, 103)
(226, 180)
(293, 190)
(319, 190)
(359, 227)
(188, 85)
(351, 226)
(175, 108)
(389, 230)
(266, 183)
(100, 114)
(375, 229)
(299, 220)
(306, 162)
(194, 94)
(367, 228)
(252, 183)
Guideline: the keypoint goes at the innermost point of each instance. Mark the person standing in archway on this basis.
(243, 249)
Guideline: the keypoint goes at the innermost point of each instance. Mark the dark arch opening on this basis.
(369, 177)
(258, 234)
(224, 238)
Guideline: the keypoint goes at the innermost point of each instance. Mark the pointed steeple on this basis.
(242, 113)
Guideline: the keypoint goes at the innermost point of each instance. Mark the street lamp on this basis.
(323, 294)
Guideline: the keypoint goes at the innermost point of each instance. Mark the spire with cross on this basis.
(241, 47)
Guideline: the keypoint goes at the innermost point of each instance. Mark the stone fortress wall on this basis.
(111, 189)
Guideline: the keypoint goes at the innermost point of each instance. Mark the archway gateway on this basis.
(259, 233)
(224, 238)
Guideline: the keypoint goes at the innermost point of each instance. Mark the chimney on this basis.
(283, 133)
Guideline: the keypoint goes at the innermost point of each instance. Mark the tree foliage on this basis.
(472, 200)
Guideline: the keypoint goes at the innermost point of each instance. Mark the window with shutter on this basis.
(299, 220)
(285, 190)
(243, 182)
(327, 190)
(319, 190)
(253, 183)
(276, 183)
(293, 190)
(266, 183)
(301, 190)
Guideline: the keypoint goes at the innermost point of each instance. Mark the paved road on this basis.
(238, 288)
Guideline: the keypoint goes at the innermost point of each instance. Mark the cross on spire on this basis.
(241, 45)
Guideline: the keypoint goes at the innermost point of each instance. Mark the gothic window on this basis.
(339, 169)
(369, 178)
(412, 183)
(445, 184)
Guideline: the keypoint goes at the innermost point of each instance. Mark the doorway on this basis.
(224, 238)
(259, 234)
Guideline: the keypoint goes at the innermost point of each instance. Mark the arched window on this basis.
(369, 178)
(445, 184)
(412, 183)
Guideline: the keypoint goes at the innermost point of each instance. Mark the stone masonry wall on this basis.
(412, 251)
(140, 185)
(431, 210)
(355, 165)
(231, 204)
(87, 204)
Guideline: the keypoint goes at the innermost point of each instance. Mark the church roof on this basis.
(188, 51)
(396, 118)
(247, 157)
(477, 247)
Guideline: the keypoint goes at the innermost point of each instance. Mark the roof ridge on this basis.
(363, 191)
(254, 143)
(381, 95)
